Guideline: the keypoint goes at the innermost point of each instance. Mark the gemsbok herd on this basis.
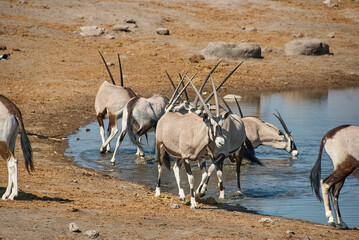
(188, 131)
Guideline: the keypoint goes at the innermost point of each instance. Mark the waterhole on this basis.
(281, 187)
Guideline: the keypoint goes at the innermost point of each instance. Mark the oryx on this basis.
(186, 137)
(260, 132)
(109, 103)
(11, 124)
(342, 146)
(234, 133)
(143, 113)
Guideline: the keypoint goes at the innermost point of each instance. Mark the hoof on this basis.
(112, 163)
(239, 192)
(332, 224)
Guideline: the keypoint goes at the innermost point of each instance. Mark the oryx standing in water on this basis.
(260, 132)
(186, 137)
(10, 125)
(143, 113)
(109, 103)
(342, 146)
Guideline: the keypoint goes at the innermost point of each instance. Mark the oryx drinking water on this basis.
(109, 103)
(342, 146)
(10, 125)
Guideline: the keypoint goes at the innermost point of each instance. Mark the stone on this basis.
(296, 35)
(306, 47)
(196, 58)
(92, 234)
(266, 220)
(130, 20)
(162, 31)
(74, 228)
(91, 31)
(121, 27)
(228, 50)
(174, 205)
(108, 36)
(331, 35)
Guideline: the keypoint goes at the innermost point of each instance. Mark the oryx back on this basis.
(183, 136)
(112, 98)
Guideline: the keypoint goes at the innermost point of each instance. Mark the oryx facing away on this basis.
(109, 103)
(186, 137)
(10, 125)
(143, 113)
(342, 146)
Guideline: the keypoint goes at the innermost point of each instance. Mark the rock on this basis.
(174, 205)
(231, 97)
(331, 35)
(251, 29)
(329, 3)
(121, 27)
(231, 50)
(196, 58)
(74, 228)
(290, 232)
(108, 36)
(130, 20)
(266, 220)
(306, 47)
(162, 31)
(297, 35)
(91, 31)
(22, 2)
(92, 234)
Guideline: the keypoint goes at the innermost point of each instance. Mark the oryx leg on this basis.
(139, 151)
(143, 130)
(334, 195)
(214, 166)
(118, 143)
(201, 190)
(239, 157)
(12, 188)
(176, 169)
(160, 155)
(191, 183)
(112, 124)
(220, 180)
(335, 181)
(100, 118)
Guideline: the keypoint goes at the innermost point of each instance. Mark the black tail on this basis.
(316, 172)
(25, 146)
(251, 157)
(167, 161)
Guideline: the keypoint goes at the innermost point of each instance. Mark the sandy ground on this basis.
(53, 76)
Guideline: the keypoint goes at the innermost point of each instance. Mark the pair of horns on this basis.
(108, 70)
(176, 88)
(281, 120)
(173, 98)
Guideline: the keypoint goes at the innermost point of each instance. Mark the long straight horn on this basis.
(184, 88)
(185, 92)
(108, 70)
(201, 99)
(170, 103)
(224, 80)
(215, 97)
(239, 107)
(225, 103)
(176, 90)
(282, 122)
(172, 84)
(204, 83)
(119, 63)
